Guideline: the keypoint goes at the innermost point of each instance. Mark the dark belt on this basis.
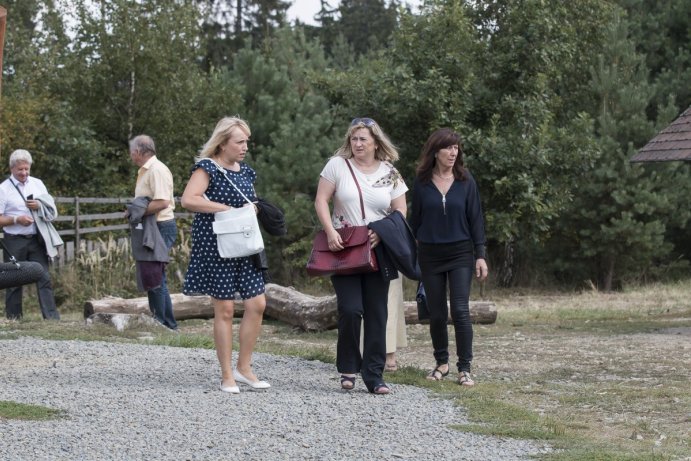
(20, 236)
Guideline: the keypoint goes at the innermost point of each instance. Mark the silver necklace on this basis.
(443, 195)
(446, 178)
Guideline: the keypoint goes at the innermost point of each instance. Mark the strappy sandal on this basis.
(437, 374)
(347, 382)
(391, 367)
(381, 389)
(464, 379)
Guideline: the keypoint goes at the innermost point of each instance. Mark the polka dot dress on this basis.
(208, 273)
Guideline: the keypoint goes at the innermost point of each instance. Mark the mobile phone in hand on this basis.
(30, 197)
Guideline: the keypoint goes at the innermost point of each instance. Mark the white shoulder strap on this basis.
(223, 171)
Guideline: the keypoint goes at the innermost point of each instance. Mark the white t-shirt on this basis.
(378, 190)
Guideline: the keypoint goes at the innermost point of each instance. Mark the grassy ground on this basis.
(599, 376)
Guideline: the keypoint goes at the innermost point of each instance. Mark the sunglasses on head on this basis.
(368, 122)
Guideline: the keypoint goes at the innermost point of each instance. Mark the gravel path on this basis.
(130, 401)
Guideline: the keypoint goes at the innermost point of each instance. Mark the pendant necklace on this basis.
(443, 194)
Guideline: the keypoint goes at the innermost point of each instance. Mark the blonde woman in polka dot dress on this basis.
(207, 192)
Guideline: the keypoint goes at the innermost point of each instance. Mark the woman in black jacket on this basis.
(448, 225)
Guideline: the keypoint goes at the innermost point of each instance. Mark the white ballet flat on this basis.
(230, 389)
(253, 384)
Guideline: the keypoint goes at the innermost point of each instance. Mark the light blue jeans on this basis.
(159, 298)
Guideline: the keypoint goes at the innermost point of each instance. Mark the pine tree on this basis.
(292, 136)
(617, 221)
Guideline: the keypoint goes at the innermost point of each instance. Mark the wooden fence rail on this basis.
(81, 222)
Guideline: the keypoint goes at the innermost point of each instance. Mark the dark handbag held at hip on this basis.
(421, 299)
(356, 257)
(16, 274)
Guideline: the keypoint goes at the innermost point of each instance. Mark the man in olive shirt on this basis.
(155, 181)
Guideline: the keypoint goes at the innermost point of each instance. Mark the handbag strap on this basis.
(9, 254)
(359, 191)
(225, 175)
(31, 212)
(17, 187)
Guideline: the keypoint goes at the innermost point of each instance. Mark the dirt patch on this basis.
(591, 375)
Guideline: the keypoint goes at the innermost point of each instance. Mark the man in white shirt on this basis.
(155, 181)
(21, 237)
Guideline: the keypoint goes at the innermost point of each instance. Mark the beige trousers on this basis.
(395, 323)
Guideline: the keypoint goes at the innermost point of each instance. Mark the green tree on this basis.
(219, 31)
(33, 110)
(366, 25)
(292, 136)
(231, 24)
(264, 17)
(136, 70)
(531, 136)
(616, 224)
(661, 31)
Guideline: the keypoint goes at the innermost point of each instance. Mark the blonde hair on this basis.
(385, 151)
(221, 135)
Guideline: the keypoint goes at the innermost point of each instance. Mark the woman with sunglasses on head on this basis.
(360, 297)
(447, 222)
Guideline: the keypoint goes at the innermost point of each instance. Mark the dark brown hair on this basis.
(440, 139)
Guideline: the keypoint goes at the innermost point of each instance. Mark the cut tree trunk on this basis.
(123, 322)
(310, 313)
(184, 307)
(482, 312)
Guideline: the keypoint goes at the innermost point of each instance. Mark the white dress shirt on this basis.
(13, 204)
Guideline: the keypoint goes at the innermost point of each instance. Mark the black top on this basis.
(460, 219)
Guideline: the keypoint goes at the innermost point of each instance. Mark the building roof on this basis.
(672, 143)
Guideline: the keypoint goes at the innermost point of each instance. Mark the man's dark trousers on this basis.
(29, 248)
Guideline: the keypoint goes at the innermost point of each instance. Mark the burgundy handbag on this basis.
(357, 255)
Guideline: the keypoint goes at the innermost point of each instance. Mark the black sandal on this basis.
(437, 375)
(347, 382)
(464, 379)
(381, 389)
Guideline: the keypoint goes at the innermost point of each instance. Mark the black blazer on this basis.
(271, 217)
(398, 249)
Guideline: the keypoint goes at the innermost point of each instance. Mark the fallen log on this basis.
(310, 313)
(481, 312)
(123, 322)
(184, 307)
(286, 304)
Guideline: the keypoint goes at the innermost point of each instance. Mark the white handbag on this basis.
(237, 229)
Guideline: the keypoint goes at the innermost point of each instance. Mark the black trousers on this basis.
(29, 248)
(459, 290)
(449, 268)
(362, 298)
